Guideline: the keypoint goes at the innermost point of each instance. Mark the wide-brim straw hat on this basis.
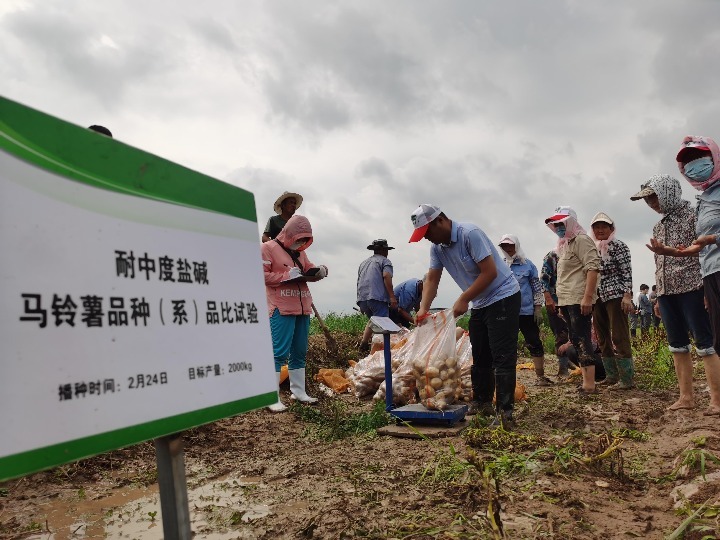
(287, 194)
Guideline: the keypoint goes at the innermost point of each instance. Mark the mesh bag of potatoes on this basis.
(465, 362)
(403, 377)
(396, 340)
(365, 376)
(435, 361)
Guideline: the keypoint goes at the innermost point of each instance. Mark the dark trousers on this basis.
(612, 329)
(398, 319)
(493, 337)
(712, 295)
(531, 333)
(559, 329)
(579, 327)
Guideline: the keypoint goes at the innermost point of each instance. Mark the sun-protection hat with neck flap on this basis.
(645, 191)
(421, 219)
(690, 150)
(561, 213)
(287, 195)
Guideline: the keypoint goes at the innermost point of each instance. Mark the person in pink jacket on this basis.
(286, 267)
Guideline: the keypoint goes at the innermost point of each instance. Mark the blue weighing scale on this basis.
(416, 413)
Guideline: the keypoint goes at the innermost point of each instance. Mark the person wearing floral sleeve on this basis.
(679, 284)
(289, 301)
(699, 162)
(613, 305)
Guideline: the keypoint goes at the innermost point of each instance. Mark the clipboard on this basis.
(308, 277)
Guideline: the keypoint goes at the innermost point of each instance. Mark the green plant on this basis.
(696, 459)
(152, 515)
(447, 467)
(340, 322)
(331, 421)
(633, 434)
(654, 365)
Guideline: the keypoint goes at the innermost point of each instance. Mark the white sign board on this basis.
(123, 317)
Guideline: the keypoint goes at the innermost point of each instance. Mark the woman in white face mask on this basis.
(699, 162)
(286, 267)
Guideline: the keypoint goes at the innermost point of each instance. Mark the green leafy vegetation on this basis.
(332, 421)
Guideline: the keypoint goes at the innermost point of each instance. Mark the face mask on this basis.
(560, 230)
(699, 169)
(297, 245)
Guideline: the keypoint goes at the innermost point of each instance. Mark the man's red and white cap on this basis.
(421, 219)
(561, 213)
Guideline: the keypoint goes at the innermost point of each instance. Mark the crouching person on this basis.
(289, 302)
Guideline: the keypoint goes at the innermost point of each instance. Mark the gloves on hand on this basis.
(322, 271)
(537, 315)
(294, 272)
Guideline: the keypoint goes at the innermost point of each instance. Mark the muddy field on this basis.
(617, 465)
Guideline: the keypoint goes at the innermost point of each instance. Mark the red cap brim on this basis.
(556, 217)
(688, 148)
(419, 233)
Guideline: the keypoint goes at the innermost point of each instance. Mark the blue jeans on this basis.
(290, 339)
(378, 308)
(683, 313)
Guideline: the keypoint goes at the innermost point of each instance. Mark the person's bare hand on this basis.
(586, 305)
(460, 308)
(658, 247)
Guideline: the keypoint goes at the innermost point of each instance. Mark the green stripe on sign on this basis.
(85, 156)
(57, 454)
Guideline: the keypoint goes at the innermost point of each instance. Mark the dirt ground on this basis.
(264, 475)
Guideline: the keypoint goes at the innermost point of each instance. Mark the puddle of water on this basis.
(216, 509)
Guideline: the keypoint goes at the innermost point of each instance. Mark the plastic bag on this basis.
(435, 361)
(403, 378)
(365, 377)
(465, 362)
(396, 340)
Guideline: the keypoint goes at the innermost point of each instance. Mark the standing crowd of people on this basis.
(585, 282)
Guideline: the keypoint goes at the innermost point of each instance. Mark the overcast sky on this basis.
(496, 111)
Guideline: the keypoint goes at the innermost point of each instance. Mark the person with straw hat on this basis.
(285, 206)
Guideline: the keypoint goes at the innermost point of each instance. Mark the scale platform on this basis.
(421, 414)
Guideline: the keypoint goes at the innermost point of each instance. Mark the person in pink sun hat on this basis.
(577, 279)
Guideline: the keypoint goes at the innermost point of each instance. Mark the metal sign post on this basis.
(385, 326)
(173, 488)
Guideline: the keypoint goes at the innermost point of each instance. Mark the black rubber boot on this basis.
(483, 382)
(505, 386)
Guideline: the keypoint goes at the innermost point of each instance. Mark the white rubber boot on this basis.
(297, 386)
(277, 407)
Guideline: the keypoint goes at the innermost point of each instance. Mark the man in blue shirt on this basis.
(375, 295)
(494, 294)
(408, 295)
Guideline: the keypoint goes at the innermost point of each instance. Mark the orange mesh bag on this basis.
(334, 379)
